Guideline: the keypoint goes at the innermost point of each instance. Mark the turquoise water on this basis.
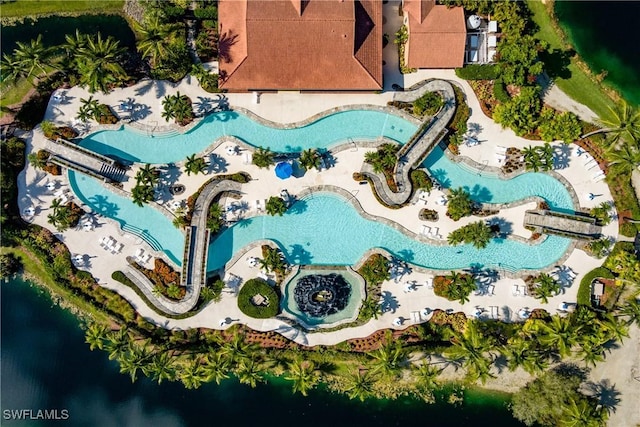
(325, 229)
(133, 145)
(489, 188)
(145, 221)
(289, 303)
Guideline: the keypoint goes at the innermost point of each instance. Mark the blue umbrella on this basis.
(284, 170)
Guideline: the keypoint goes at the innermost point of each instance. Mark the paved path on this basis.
(414, 151)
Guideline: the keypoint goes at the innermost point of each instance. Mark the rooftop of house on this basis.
(437, 35)
(300, 45)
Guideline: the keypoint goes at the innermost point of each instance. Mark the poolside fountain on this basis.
(320, 298)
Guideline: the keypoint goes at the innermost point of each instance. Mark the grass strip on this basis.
(65, 297)
(580, 85)
(31, 8)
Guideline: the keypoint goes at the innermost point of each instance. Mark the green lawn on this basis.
(579, 85)
(13, 94)
(20, 8)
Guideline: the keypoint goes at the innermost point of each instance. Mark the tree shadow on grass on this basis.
(557, 63)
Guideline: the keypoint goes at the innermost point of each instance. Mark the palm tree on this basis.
(273, 260)
(472, 347)
(359, 385)
(427, 375)
(141, 194)
(591, 350)
(95, 335)
(624, 124)
(147, 175)
(194, 165)
(88, 109)
(479, 234)
(460, 203)
(275, 206)
(249, 373)
(545, 287)
(371, 308)
(161, 367)
(192, 375)
(631, 310)
(154, 39)
(614, 329)
(559, 334)
(173, 291)
(310, 158)
(133, 360)
(263, 158)
(389, 359)
(625, 160)
(72, 45)
(28, 61)
(216, 368)
(98, 63)
(583, 414)
(117, 343)
(303, 374)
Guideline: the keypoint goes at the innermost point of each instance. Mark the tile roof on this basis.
(437, 35)
(300, 44)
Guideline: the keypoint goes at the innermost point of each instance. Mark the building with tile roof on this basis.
(308, 45)
(437, 35)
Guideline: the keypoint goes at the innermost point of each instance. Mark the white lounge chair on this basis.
(429, 283)
(426, 231)
(516, 290)
(490, 289)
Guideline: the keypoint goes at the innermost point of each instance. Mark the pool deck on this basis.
(292, 107)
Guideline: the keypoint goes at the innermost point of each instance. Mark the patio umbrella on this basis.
(284, 170)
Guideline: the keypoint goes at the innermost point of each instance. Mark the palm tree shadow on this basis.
(299, 255)
(604, 392)
(407, 255)
(479, 193)
(561, 156)
(389, 302)
(101, 205)
(217, 164)
(170, 175)
(144, 87)
(225, 42)
(139, 112)
(440, 175)
(300, 206)
(500, 363)
(204, 105)
(506, 227)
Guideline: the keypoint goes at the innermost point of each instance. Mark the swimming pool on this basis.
(487, 187)
(325, 229)
(134, 145)
(145, 222)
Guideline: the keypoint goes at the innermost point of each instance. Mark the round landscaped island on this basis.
(322, 298)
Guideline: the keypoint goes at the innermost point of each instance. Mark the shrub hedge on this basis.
(500, 92)
(252, 288)
(478, 72)
(584, 292)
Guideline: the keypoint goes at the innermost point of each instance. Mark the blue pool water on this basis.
(145, 221)
(489, 188)
(137, 146)
(325, 229)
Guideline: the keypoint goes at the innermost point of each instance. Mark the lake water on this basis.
(46, 365)
(604, 33)
(54, 28)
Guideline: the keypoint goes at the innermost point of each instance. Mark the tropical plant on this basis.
(460, 204)
(214, 218)
(98, 63)
(384, 159)
(174, 291)
(545, 287)
(275, 206)
(216, 368)
(520, 113)
(195, 165)
(375, 270)
(624, 160)
(303, 374)
(600, 247)
(192, 374)
(631, 310)
(248, 372)
(273, 260)
(371, 308)
(177, 107)
(623, 124)
(147, 174)
(583, 413)
(141, 194)
(162, 367)
(154, 39)
(472, 348)
(95, 335)
(117, 343)
(559, 126)
(389, 359)
(559, 334)
(29, 61)
(310, 158)
(263, 157)
(359, 385)
(477, 233)
(258, 288)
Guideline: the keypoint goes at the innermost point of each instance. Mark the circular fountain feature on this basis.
(321, 298)
(321, 295)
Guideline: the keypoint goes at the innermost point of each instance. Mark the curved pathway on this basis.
(414, 151)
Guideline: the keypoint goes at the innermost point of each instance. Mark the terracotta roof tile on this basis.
(331, 45)
(436, 40)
